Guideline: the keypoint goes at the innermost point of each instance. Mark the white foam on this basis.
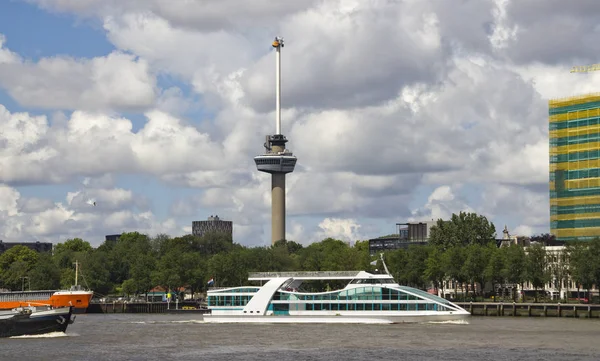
(48, 335)
(452, 322)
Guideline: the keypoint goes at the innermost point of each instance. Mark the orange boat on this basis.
(76, 297)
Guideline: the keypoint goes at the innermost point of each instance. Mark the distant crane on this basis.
(585, 68)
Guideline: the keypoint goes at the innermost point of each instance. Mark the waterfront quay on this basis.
(494, 309)
(145, 307)
(531, 309)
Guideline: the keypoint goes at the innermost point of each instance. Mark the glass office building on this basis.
(575, 167)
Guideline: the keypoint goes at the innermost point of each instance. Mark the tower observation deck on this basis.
(277, 160)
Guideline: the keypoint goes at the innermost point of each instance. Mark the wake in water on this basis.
(451, 322)
(163, 322)
(48, 335)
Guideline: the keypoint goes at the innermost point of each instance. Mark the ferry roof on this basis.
(315, 275)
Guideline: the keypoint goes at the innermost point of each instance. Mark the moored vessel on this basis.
(76, 296)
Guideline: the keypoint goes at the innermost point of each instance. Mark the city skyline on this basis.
(122, 115)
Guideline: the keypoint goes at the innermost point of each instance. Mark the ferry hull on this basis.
(355, 319)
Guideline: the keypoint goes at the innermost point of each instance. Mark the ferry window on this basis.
(395, 306)
(386, 294)
(403, 307)
(335, 307)
(360, 307)
(385, 306)
(376, 307)
(411, 307)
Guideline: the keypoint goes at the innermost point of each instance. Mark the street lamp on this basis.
(23, 283)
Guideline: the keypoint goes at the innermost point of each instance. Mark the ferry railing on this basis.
(219, 288)
(320, 274)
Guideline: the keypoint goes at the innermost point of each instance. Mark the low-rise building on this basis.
(36, 246)
(408, 234)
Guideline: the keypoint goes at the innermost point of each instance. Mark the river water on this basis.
(186, 337)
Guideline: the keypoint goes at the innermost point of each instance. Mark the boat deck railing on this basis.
(340, 275)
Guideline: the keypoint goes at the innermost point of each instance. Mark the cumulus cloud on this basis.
(94, 144)
(380, 100)
(201, 15)
(347, 230)
(116, 81)
(441, 204)
(6, 56)
(34, 219)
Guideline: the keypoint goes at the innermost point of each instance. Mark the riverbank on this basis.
(531, 309)
(495, 309)
(145, 307)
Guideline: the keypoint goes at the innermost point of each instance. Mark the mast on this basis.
(278, 44)
(384, 265)
(76, 271)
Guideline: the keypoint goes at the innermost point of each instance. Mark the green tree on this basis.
(15, 264)
(453, 260)
(515, 267)
(213, 243)
(581, 265)
(95, 271)
(494, 268)
(537, 267)
(434, 268)
(594, 255)
(141, 274)
(68, 252)
(125, 252)
(45, 274)
(416, 266)
(474, 267)
(559, 270)
(462, 229)
(397, 262)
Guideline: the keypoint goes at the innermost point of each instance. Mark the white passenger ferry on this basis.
(367, 298)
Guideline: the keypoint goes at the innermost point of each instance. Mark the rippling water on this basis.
(186, 337)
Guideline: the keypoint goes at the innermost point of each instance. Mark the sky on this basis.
(398, 111)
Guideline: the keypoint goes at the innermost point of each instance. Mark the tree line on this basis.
(462, 250)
